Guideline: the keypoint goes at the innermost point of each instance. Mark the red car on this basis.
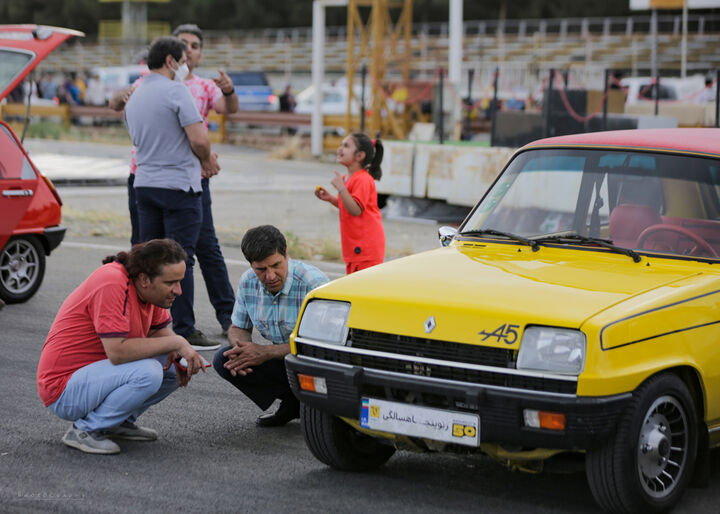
(29, 204)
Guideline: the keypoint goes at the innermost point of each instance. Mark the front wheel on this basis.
(22, 268)
(337, 444)
(646, 465)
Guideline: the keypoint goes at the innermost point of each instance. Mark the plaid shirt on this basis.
(275, 315)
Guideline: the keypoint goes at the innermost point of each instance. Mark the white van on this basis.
(640, 89)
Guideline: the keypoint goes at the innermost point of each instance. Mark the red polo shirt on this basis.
(104, 305)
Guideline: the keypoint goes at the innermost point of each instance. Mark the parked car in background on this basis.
(334, 100)
(575, 310)
(254, 91)
(640, 89)
(30, 206)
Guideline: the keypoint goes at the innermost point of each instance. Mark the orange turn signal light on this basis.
(311, 383)
(552, 420)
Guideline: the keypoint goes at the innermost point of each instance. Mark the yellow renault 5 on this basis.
(576, 309)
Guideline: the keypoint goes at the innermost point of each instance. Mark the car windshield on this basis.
(646, 201)
(248, 78)
(12, 63)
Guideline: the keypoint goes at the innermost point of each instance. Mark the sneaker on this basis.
(199, 341)
(288, 410)
(132, 432)
(89, 442)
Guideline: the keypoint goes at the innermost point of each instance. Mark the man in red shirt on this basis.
(110, 350)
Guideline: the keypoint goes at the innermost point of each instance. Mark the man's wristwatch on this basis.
(232, 91)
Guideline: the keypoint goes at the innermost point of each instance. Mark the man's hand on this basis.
(224, 82)
(120, 98)
(246, 354)
(194, 364)
(211, 166)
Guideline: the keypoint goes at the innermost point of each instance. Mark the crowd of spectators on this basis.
(72, 88)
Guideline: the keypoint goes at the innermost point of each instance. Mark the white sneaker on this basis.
(89, 442)
(132, 432)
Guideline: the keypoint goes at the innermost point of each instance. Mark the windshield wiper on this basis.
(578, 239)
(490, 232)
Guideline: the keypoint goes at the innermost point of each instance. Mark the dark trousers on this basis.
(177, 215)
(207, 251)
(132, 207)
(263, 386)
(212, 263)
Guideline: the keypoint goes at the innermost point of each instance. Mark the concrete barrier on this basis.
(459, 175)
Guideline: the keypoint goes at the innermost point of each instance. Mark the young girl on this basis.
(361, 230)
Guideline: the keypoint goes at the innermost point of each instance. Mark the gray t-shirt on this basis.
(155, 115)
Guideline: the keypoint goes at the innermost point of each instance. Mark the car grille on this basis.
(430, 348)
(439, 350)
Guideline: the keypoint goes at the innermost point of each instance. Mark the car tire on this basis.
(337, 444)
(22, 268)
(646, 465)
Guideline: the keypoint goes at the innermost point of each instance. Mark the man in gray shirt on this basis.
(173, 153)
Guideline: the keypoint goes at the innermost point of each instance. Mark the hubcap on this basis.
(662, 446)
(19, 266)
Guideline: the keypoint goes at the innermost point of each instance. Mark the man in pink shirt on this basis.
(209, 94)
(110, 351)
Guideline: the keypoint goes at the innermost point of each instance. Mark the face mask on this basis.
(181, 72)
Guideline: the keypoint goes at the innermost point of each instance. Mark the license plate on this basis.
(411, 420)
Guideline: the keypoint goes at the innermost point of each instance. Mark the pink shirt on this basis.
(205, 92)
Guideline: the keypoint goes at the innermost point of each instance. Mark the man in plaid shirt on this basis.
(269, 299)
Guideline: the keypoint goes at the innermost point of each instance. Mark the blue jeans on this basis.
(177, 215)
(102, 395)
(212, 263)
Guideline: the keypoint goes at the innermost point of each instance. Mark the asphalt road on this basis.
(210, 456)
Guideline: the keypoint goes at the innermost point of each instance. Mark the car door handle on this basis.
(18, 192)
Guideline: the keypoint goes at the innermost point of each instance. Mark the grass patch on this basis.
(96, 223)
(112, 134)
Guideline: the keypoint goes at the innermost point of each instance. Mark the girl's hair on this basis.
(149, 257)
(373, 153)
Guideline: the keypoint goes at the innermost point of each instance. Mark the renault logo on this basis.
(429, 324)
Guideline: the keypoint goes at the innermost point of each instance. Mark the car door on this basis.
(18, 183)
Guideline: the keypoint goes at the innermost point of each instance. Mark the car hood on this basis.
(474, 289)
(23, 47)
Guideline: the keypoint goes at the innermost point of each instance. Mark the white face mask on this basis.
(181, 72)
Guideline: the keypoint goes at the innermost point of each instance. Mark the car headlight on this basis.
(559, 350)
(325, 321)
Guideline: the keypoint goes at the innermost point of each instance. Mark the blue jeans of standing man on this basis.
(212, 263)
(177, 215)
(102, 395)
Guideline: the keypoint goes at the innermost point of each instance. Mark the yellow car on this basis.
(577, 308)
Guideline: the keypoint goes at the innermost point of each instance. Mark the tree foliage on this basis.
(244, 14)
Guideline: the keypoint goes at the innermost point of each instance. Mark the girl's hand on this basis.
(338, 182)
(322, 193)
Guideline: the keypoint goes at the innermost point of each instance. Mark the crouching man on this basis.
(269, 299)
(110, 351)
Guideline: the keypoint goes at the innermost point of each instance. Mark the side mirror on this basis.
(446, 234)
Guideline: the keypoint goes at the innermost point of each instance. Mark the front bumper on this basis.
(589, 421)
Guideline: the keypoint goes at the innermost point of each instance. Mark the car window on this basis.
(13, 163)
(642, 200)
(332, 97)
(12, 63)
(248, 79)
(647, 92)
